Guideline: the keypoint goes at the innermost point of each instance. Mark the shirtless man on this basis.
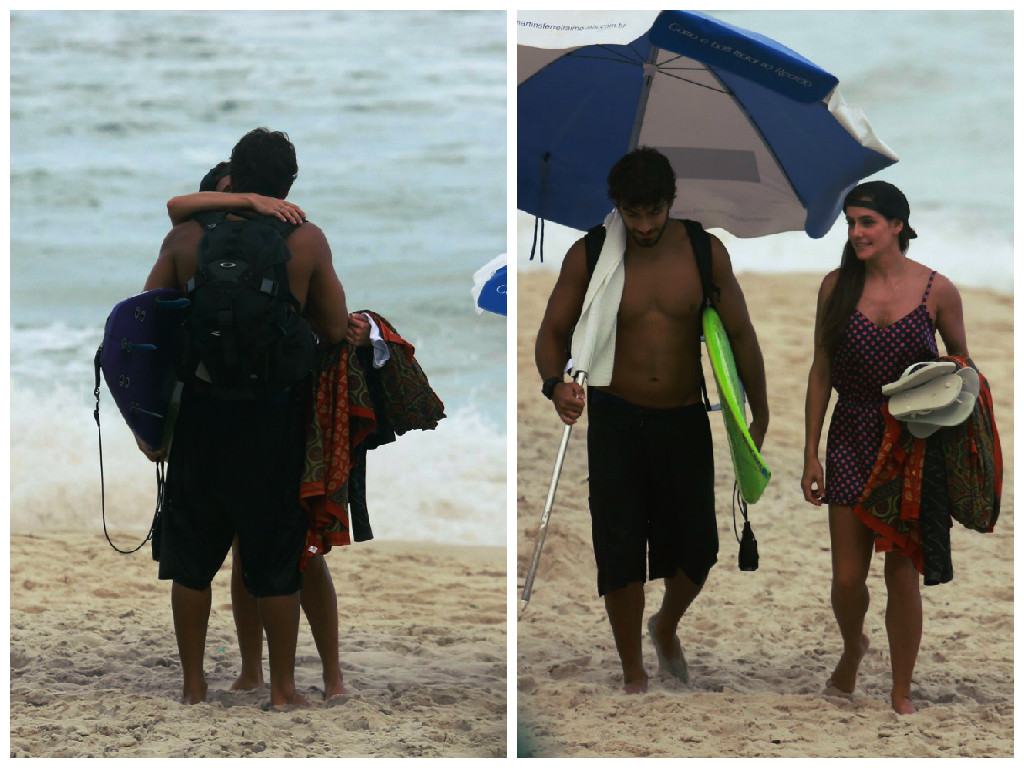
(318, 597)
(220, 481)
(649, 439)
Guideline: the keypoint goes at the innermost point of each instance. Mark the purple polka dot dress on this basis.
(867, 358)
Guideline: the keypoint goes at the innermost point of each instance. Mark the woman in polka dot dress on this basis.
(877, 314)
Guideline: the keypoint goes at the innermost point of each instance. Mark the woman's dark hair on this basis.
(644, 177)
(263, 161)
(214, 176)
(842, 301)
(850, 282)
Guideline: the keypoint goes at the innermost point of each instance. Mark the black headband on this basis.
(865, 203)
(873, 205)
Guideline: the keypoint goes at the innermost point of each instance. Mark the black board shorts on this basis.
(234, 469)
(652, 491)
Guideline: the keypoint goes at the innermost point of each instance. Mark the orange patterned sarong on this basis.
(344, 415)
(973, 477)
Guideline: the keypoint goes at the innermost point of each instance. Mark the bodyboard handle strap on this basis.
(97, 365)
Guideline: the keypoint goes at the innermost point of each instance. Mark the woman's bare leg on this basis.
(903, 622)
(852, 546)
(320, 604)
(248, 628)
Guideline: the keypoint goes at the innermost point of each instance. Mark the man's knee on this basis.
(682, 582)
(186, 586)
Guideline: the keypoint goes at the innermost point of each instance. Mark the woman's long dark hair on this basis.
(849, 286)
(842, 301)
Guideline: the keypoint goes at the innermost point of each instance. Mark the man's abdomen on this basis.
(657, 365)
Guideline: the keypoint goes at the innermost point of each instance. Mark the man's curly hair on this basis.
(263, 161)
(641, 178)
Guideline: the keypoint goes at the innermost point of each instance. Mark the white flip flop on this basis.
(918, 374)
(956, 413)
(934, 394)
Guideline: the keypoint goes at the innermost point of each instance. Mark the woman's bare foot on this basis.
(844, 677)
(335, 687)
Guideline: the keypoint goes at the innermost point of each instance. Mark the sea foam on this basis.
(446, 485)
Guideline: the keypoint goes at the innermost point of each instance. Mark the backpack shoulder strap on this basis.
(284, 228)
(210, 219)
(593, 242)
(701, 242)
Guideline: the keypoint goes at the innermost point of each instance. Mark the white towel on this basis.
(381, 353)
(593, 341)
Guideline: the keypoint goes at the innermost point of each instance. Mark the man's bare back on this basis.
(657, 343)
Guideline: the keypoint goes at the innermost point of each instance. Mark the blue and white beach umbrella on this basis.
(490, 290)
(760, 138)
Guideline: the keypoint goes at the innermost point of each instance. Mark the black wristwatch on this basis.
(548, 387)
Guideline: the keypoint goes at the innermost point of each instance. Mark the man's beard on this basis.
(651, 240)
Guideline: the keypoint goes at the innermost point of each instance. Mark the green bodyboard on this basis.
(752, 474)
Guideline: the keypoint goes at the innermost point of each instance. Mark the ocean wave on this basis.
(447, 485)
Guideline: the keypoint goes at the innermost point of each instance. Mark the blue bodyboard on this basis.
(137, 361)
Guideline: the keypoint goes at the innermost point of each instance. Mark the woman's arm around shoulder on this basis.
(184, 207)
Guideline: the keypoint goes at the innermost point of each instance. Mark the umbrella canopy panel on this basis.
(565, 153)
(490, 286)
(727, 174)
(759, 137)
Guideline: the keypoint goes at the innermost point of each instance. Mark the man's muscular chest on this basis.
(668, 287)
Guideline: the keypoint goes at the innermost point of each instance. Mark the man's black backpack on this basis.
(593, 241)
(243, 336)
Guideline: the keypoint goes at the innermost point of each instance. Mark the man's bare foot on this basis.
(635, 684)
(844, 678)
(194, 693)
(902, 705)
(334, 688)
(248, 682)
(671, 660)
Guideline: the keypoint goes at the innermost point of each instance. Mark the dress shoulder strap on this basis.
(928, 288)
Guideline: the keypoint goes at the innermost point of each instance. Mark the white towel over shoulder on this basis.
(593, 341)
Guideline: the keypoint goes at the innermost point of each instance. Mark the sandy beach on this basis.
(95, 671)
(760, 644)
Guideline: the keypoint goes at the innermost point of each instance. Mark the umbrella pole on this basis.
(581, 378)
(641, 108)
